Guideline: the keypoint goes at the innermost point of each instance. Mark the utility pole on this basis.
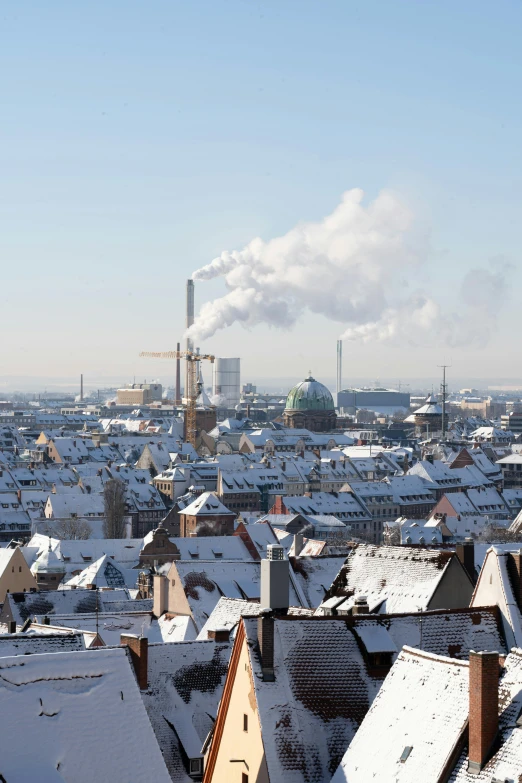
(444, 393)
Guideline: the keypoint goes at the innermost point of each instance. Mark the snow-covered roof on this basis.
(227, 614)
(185, 684)
(32, 643)
(315, 576)
(21, 606)
(394, 579)
(410, 713)
(319, 697)
(507, 760)
(104, 572)
(83, 719)
(206, 582)
(206, 505)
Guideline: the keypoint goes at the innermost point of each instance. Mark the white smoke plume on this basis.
(353, 267)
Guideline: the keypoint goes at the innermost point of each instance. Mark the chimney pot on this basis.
(219, 634)
(139, 653)
(483, 707)
(361, 605)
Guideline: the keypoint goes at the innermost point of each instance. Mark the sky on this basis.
(139, 141)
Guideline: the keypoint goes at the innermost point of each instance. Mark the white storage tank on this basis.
(226, 382)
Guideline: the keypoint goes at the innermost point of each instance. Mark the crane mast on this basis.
(191, 393)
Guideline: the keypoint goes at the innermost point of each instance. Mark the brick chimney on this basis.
(139, 653)
(265, 640)
(466, 555)
(483, 707)
(160, 596)
(219, 634)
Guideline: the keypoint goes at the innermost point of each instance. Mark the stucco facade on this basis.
(15, 576)
(235, 751)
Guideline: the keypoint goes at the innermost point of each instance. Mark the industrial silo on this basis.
(226, 382)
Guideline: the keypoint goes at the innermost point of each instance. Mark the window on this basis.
(196, 766)
(245, 722)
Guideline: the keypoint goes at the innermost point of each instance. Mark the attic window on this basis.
(405, 753)
(87, 558)
(196, 766)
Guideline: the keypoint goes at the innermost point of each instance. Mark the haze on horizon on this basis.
(142, 142)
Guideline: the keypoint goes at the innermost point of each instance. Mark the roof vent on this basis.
(405, 753)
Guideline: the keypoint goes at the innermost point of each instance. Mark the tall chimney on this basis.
(265, 640)
(298, 544)
(339, 384)
(275, 579)
(160, 595)
(177, 393)
(466, 555)
(188, 323)
(81, 387)
(483, 707)
(139, 653)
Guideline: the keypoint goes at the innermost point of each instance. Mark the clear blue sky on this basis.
(140, 139)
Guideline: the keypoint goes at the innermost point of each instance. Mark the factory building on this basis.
(310, 406)
(140, 394)
(385, 401)
(226, 388)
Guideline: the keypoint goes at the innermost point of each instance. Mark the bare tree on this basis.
(500, 535)
(71, 529)
(114, 503)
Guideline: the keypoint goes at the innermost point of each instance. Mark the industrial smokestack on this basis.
(81, 387)
(339, 366)
(189, 321)
(177, 394)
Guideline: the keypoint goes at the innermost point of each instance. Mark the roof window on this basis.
(405, 753)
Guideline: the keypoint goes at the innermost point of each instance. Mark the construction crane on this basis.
(191, 394)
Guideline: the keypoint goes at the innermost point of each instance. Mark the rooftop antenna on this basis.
(444, 393)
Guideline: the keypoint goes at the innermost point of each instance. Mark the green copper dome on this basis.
(310, 395)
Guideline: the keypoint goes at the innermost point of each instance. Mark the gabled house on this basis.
(401, 579)
(15, 576)
(440, 720)
(500, 584)
(296, 691)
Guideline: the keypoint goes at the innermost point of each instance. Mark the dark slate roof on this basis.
(185, 685)
(21, 606)
(452, 633)
(315, 576)
(30, 644)
(321, 693)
